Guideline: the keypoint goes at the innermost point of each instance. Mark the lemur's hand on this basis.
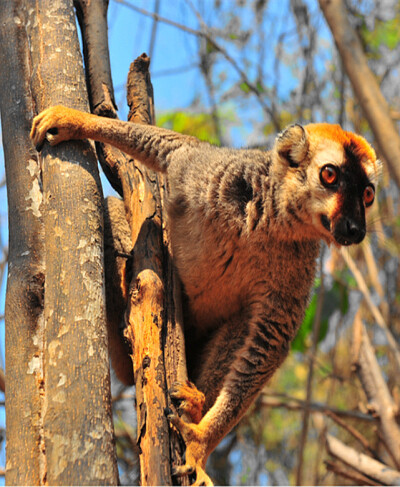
(56, 124)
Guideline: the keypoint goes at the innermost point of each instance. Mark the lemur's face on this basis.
(343, 176)
(331, 175)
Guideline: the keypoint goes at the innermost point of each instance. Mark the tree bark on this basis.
(25, 285)
(154, 317)
(69, 407)
(161, 362)
(364, 83)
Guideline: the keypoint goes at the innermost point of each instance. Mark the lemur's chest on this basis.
(224, 276)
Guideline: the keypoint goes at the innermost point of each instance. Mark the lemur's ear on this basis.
(292, 145)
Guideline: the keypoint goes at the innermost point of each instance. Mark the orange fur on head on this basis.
(359, 145)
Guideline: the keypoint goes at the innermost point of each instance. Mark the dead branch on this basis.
(377, 392)
(393, 345)
(295, 404)
(141, 214)
(361, 462)
(356, 434)
(349, 474)
(92, 17)
(306, 411)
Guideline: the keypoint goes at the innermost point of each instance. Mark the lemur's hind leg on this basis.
(237, 361)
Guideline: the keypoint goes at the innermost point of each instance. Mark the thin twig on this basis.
(295, 404)
(154, 29)
(359, 478)
(251, 86)
(374, 309)
(306, 414)
(356, 434)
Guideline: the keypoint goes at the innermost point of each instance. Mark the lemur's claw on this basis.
(194, 435)
(56, 124)
(188, 400)
(39, 146)
(168, 413)
(181, 470)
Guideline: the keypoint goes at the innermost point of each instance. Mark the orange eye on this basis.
(369, 195)
(329, 175)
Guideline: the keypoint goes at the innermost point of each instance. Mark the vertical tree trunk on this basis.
(68, 407)
(154, 310)
(365, 86)
(24, 311)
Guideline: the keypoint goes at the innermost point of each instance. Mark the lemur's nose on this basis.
(349, 231)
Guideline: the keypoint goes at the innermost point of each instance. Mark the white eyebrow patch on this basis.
(329, 152)
(372, 169)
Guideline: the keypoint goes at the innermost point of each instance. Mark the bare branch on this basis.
(394, 347)
(349, 474)
(315, 336)
(293, 403)
(356, 434)
(378, 393)
(251, 86)
(362, 462)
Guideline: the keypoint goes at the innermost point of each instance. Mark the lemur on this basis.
(245, 228)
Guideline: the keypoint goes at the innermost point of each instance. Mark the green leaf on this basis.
(299, 343)
(201, 125)
(245, 87)
(385, 33)
(335, 299)
(260, 87)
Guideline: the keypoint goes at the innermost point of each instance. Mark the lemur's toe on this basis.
(188, 399)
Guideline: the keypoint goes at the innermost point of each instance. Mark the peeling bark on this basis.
(152, 251)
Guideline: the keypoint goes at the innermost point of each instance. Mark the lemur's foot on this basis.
(197, 451)
(56, 124)
(188, 400)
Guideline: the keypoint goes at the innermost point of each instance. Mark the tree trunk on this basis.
(364, 83)
(25, 284)
(71, 437)
(154, 318)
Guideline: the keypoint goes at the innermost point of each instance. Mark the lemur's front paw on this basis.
(197, 449)
(188, 400)
(55, 124)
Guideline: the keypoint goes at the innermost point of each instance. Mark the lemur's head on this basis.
(329, 178)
